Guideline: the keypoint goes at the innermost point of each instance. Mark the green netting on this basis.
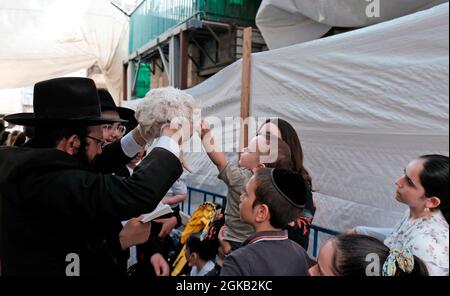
(239, 11)
(143, 80)
(154, 17)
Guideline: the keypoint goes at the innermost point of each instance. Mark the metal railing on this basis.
(316, 230)
(214, 197)
(207, 196)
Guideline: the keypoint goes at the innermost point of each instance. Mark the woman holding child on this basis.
(300, 228)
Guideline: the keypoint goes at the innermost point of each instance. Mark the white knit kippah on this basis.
(161, 106)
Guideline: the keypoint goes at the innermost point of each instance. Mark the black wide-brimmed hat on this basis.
(69, 101)
(107, 104)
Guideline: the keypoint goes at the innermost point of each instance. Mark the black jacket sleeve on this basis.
(77, 194)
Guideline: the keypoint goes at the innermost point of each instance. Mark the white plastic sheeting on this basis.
(364, 103)
(288, 22)
(43, 39)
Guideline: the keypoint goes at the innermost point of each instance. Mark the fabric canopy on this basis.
(43, 39)
(288, 22)
(364, 103)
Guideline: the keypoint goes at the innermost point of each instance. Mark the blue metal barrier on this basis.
(210, 196)
(316, 230)
(207, 196)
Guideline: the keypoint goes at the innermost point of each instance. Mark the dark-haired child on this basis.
(273, 198)
(199, 255)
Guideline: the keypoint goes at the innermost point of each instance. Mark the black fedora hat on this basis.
(107, 104)
(69, 101)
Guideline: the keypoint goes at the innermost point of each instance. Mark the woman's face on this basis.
(324, 266)
(270, 128)
(409, 189)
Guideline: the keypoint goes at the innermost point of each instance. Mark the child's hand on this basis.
(221, 235)
(226, 247)
(205, 129)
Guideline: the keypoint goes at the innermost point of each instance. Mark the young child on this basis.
(236, 175)
(199, 255)
(272, 198)
(348, 255)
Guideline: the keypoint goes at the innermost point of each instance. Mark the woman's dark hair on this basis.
(203, 248)
(283, 159)
(290, 136)
(351, 257)
(434, 179)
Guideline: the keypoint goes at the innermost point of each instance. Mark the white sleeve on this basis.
(179, 187)
(129, 145)
(169, 144)
(434, 269)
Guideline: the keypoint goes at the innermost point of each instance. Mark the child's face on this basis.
(324, 266)
(250, 157)
(247, 211)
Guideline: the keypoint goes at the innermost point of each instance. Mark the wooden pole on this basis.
(246, 81)
(125, 82)
(184, 43)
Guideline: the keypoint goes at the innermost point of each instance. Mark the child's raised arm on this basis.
(214, 152)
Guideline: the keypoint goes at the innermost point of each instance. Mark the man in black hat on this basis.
(53, 205)
(272, 199)
(115, 133)
(124, 117)
(123, 121)
(116, 154)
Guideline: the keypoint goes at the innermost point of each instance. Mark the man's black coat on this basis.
(52, 207)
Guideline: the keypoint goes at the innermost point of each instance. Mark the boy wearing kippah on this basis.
(272, 198)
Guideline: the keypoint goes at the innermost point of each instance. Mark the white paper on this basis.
(160, 210)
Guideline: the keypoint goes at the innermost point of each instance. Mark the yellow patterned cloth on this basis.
(200, 222)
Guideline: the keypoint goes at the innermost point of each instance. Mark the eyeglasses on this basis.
(115, 127)
(100, 143)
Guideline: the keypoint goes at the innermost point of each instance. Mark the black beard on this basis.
(82, 157)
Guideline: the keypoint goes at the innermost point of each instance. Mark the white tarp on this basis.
(364, 103)
(43, 39)
(289, 22)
